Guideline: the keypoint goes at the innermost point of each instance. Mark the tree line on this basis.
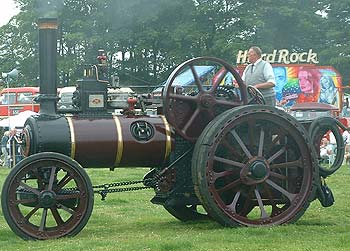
(146, 39)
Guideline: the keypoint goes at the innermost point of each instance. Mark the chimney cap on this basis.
(48, 23)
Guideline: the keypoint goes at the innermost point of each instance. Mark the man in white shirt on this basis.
(259, 73)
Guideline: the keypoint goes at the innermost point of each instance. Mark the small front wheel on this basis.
(47, 196)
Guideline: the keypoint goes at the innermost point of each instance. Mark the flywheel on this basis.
(197, 91)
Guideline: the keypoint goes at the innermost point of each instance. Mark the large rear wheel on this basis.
(254, 166)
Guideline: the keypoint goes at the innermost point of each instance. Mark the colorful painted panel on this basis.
(298, 84)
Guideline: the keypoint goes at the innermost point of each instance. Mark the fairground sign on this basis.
(282, 56)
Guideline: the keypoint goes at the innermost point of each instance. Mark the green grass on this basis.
(128, 221)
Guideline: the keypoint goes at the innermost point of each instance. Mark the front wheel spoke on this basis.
(229, 162)
(263, 213)
(289, 195)
(31, 213)
(52, 178)
(25, 201)
(229, 186)
(43, 220)
(31, 189)
(277, 154)
(64, 181)
(67, 209)
(241, 144)
(57, 216)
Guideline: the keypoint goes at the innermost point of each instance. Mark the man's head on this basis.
(254, 53)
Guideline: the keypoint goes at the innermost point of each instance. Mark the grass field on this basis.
(128, 221)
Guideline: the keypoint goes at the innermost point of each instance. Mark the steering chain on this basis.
(148, 182)
(106, 188)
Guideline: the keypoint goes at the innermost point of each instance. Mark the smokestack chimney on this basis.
(48, 65)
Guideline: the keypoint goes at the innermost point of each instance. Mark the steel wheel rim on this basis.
(249, 204)
(47, 215)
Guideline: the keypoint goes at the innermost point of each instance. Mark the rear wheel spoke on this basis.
(221, 174)
(277, 154)
(241, 144)
(233, 204)
(261, 143)
(289, 195)
(263, 213)
(229, 162)
(287, 165)
(229, 186)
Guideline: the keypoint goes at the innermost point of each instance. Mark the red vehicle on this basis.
(18, 99)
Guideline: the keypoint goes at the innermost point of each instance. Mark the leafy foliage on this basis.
(146, 39)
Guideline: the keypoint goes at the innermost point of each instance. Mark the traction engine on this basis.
(217, 146)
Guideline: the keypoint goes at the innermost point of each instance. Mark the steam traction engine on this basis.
(217, 146)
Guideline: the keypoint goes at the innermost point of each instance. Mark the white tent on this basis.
(16, 121)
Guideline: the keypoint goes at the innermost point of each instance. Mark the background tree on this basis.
(335, 49)
(146, 39)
